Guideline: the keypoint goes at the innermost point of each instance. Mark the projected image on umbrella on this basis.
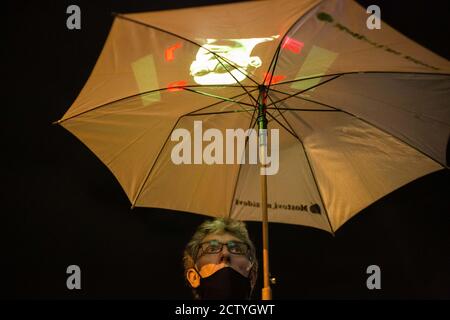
(207, 69)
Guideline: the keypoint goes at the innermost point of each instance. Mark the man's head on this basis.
(220, 249)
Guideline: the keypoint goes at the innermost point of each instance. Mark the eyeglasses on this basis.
(214, 246)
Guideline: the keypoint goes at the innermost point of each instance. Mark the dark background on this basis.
(62, 206)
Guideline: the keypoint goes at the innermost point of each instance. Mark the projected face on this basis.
(207, 69)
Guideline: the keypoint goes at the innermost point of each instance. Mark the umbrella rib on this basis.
(361, 72)
(252, 124)
(310, 168)
(141, 187)
(307, 110)
(394, 106)
(216, 103)
(219, 97)
(312, 110)
(276, 120)
(334, 109)
(194, 43)
(281, 114)
(219, 112)
(144, 93)
(192, 113)
(300, 92)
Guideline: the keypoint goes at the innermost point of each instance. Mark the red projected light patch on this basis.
(176, 86)
(169, 54)
(292, 45)
(275, 79)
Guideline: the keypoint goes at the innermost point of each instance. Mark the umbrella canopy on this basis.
(359, 112)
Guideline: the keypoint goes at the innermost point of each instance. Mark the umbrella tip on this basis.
(56, 122)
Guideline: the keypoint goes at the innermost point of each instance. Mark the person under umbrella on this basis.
(220, 261)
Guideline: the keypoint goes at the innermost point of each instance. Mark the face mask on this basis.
(224, 284)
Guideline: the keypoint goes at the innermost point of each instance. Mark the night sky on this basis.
(62, 206)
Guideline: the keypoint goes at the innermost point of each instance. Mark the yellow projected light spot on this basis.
(316, 63)
(145, 75)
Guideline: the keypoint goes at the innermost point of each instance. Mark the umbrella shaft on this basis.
(262, 126)
(266, 292)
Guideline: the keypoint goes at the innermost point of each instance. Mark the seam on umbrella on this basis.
(252, 124)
